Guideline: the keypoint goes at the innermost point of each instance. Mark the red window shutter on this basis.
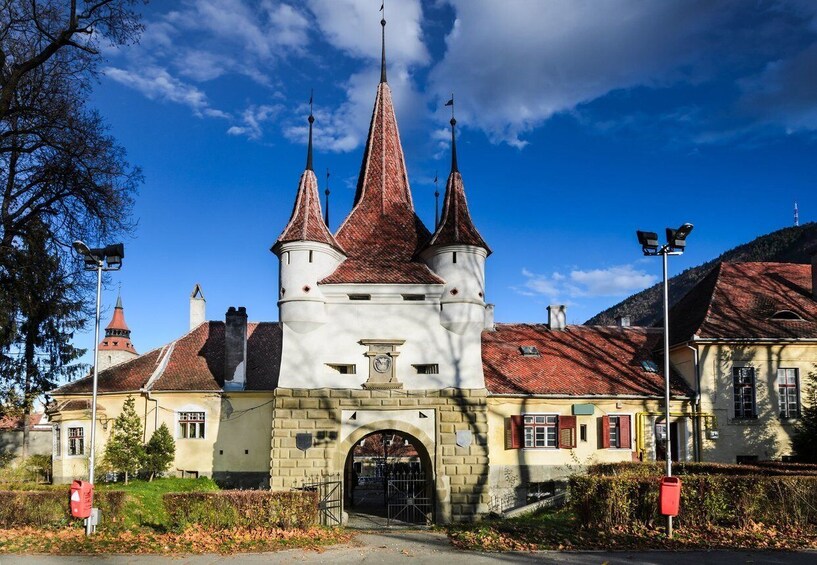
(624, 432)
(605, 431)
(513, 432)
(567, 432)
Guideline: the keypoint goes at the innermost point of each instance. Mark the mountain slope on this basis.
(789, 245)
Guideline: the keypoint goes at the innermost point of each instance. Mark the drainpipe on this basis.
(696, 406)
(155, 412)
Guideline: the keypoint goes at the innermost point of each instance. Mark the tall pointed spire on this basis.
(382, 234)
(307, 222)
(311, 121)
(436, 201)
(456, 226)
(383, 43)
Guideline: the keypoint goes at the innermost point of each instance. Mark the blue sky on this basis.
(579, 122)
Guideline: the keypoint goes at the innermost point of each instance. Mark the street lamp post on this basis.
(676, 243)
(107, 258)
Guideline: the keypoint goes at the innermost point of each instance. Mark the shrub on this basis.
(159, 452)
(43, 508)
(241, 508)
(657, 469)
(706, 500)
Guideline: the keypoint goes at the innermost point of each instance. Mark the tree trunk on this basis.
(30, 376)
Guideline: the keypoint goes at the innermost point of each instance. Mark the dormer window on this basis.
(649, 366)
(786, 315)
(529, 351)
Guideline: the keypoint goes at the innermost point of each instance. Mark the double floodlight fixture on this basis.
(110, 255)
(676, 241)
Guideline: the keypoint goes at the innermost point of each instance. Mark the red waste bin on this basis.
(669, 496)
(82, 498)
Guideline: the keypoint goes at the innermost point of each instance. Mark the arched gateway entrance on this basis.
(388, 480)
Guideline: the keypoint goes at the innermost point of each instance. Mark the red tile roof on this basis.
(382, 234)
(193, 362)
(740, 300)
(456, 226)
(306, 222)
(577, 361)
(9, 422)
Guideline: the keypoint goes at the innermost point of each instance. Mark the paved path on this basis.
(386, 548)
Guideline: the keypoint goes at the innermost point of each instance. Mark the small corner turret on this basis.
(116, 346)
(456, 252)
(307, 252)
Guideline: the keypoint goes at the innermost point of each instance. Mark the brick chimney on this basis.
(557, 317)
(235, 348)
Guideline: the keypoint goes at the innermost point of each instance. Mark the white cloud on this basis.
(621, 280)
(785, 92)
(514, 64)
(157, 84)
(353, 27)
(345, 128)
(252, 120)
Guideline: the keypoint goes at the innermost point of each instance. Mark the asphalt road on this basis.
(385, 548)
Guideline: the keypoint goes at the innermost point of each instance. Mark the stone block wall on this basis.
(460, 472)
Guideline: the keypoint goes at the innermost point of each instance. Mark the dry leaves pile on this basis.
(73, 541)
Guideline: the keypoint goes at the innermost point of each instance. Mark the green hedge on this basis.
(658, 469)
(706, 500)
(51, 507)
(241, 508)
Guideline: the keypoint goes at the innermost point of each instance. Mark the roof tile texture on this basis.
(382, 234)
(739, 301)
(579, 360)
(456, 226)
(196, 363)
(306, 222)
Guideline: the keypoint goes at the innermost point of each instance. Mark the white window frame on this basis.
(183, 423)
(741, 414)
(791, 389)
(68, 439)
(540, 431)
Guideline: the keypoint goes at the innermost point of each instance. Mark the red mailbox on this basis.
(82, 498)
(669, 496)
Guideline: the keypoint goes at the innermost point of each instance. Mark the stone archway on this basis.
(388, 476)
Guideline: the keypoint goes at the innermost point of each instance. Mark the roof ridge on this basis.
(161, 365)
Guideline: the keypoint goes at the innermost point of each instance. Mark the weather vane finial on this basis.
(311, 120)
(383, 43)
(453, 122)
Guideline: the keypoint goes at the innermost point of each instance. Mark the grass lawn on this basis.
(143, 506)
(145, 529)
(559, 529)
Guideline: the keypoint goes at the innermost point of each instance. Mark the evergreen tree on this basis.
(159, 452)
(124, 451)
(804, 440)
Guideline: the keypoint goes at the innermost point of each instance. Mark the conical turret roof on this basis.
(117, 332)
(382, 234)
(456, 226)
(306, 222)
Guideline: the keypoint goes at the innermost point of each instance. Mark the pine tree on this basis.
(124, 451)
(159, 452)
(804, 440)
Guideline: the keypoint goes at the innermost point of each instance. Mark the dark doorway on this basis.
(387, 481)
(660, 432)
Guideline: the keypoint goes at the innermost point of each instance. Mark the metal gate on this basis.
(330, 497)
(410, 498)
